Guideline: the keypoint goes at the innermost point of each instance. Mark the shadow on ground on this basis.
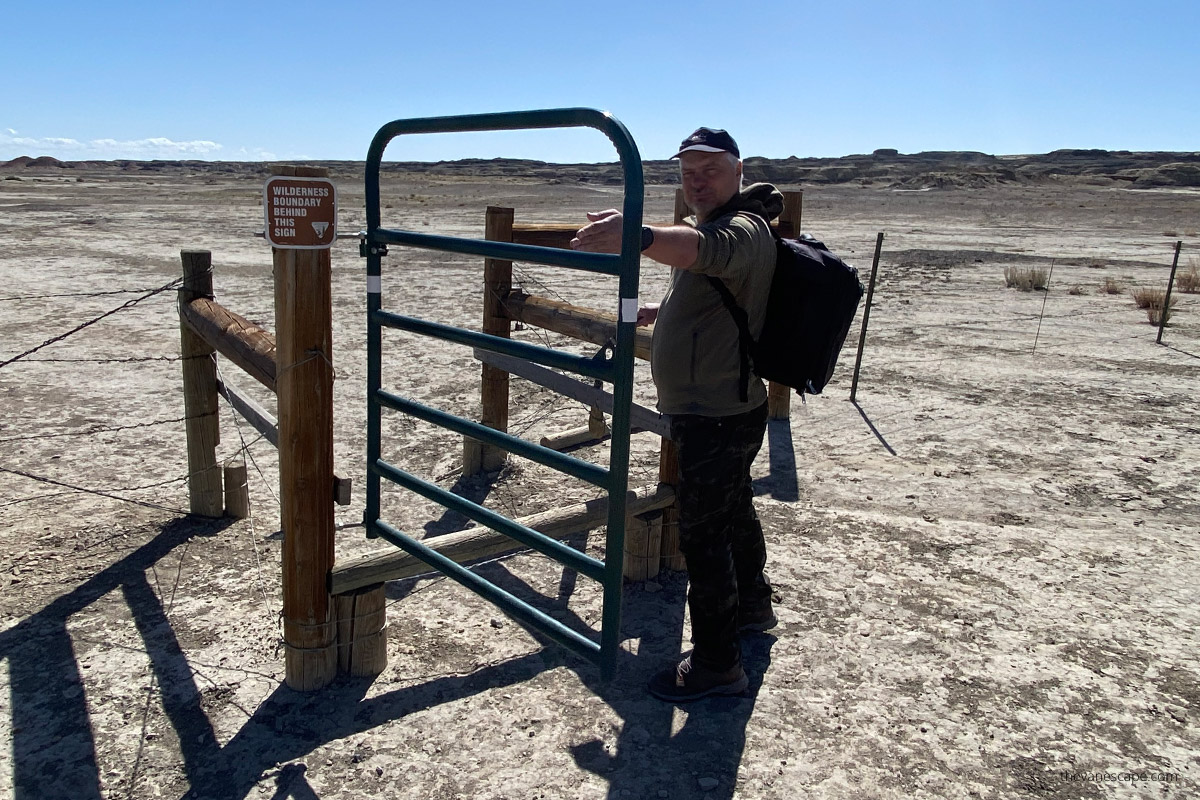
(780, 483)
(54, 750)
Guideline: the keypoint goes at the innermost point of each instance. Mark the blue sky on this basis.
(305, 80)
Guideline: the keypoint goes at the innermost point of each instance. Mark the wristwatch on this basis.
(647, 237)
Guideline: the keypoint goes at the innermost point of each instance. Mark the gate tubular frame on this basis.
(616, 369)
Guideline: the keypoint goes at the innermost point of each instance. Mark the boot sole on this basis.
(737, 687)
(758, 627)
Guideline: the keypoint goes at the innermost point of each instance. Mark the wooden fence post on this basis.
(237, 492)
(202, 425)
(362, 631)
(497, 283)
(643, 539)
(304, 384)
(668, 473)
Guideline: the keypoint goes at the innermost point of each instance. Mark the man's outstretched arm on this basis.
(673, 245)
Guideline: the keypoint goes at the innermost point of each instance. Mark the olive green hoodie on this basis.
(695, 359)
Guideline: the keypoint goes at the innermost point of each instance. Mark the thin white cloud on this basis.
(155, 147)
(252, 154)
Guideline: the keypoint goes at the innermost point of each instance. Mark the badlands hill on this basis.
(882, 168)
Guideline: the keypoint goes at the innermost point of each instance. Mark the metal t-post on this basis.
(862, 336)
(1166, 309)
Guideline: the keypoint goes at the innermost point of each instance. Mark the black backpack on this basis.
(814, 296)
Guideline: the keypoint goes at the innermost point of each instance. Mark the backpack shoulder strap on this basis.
(744, 338)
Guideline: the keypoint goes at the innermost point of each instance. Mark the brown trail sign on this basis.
(301, 213)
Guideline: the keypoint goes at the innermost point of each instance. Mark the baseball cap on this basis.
(709, 140)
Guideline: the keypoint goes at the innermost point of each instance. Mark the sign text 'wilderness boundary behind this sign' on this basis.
(301, 213)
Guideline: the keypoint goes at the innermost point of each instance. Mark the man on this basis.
(696, 365)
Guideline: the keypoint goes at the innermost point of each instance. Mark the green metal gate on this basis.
(615, 368)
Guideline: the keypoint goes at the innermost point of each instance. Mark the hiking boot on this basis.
(755, 619)
(688, 681)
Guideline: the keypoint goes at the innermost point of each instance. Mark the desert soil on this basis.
(986, 569)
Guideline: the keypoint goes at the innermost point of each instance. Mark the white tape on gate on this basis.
(629, 309)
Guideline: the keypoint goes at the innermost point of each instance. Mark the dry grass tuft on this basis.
(1152, 301)
(1076, 290)
(1025, 278)
(1146, 297)
(1189, 280)
(1153, 313)
(1113, 286)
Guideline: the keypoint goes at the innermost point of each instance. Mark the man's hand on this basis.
(647, 314)
(602, 234)
(673, 245)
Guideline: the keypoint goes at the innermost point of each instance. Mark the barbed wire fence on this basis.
(1011, 333)
(119, 493)
(145, 295)
(1011, 329)
(1008, 333)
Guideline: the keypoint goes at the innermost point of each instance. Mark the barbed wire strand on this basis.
(129, 304)
(134, 360)
(92, 431)
(86, 490)
(142, 487)
(1053, 345)
(18, 297)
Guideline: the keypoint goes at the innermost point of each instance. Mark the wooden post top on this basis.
(299, 171)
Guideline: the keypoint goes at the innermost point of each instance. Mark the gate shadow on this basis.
(54, 751)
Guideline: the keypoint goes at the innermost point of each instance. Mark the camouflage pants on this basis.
(719, 532)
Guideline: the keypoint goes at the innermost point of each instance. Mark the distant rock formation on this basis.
(884, 168)
(25, 162)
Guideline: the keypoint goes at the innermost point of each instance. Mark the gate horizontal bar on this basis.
(601, 263)
(478, 542)
(578, 468)
(513, 606)
(562, 553)
(640, 417)
(591, 366)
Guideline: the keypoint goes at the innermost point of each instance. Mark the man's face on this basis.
(709, 180)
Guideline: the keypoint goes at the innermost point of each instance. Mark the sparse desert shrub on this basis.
(1025, 278)
(1189, 280)
(1153, 314)
(1113, 286)
(1076, 290)
(1169, 233)
(1144, 296)
(1152, 301)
